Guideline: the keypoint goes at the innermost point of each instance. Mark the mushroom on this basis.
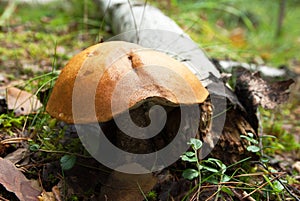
(100, 61)
(124, 79)
(147, 78)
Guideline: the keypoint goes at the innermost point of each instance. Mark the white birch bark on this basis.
(148, 26)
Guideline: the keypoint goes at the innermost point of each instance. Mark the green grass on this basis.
(36, 35)
(210, 23)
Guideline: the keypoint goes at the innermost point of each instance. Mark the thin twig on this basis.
(134, 20)
(257, 174)
(247, 196)
(210, 197)
(284, 186)
(64, 152)
(13, 140)
(3, 199)
(264, 184)
(143, 15)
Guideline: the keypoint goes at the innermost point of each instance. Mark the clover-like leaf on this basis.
(253, 148)
(250, 139)
(189, 159)
(190, 174)
(67, 162)
(189, 153)
(196, 143)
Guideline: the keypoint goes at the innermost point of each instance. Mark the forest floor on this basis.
(36, 41)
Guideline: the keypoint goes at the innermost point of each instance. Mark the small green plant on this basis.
(213, 169)
(211, 165)
(73, 198)
(151, 196)
(10, 120)
(254, 143)
(192, 157)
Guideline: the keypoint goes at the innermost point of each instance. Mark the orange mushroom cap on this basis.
(120, 76)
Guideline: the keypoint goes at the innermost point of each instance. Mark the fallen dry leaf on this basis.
(14, 181)
(21, 102)
(56, 192)
(17, 155)
(47, 196)
(3, 79)
(296, 166)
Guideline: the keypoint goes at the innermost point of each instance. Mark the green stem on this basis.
(199, 172)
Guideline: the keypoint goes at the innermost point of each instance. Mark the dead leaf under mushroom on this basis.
(14, 181)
